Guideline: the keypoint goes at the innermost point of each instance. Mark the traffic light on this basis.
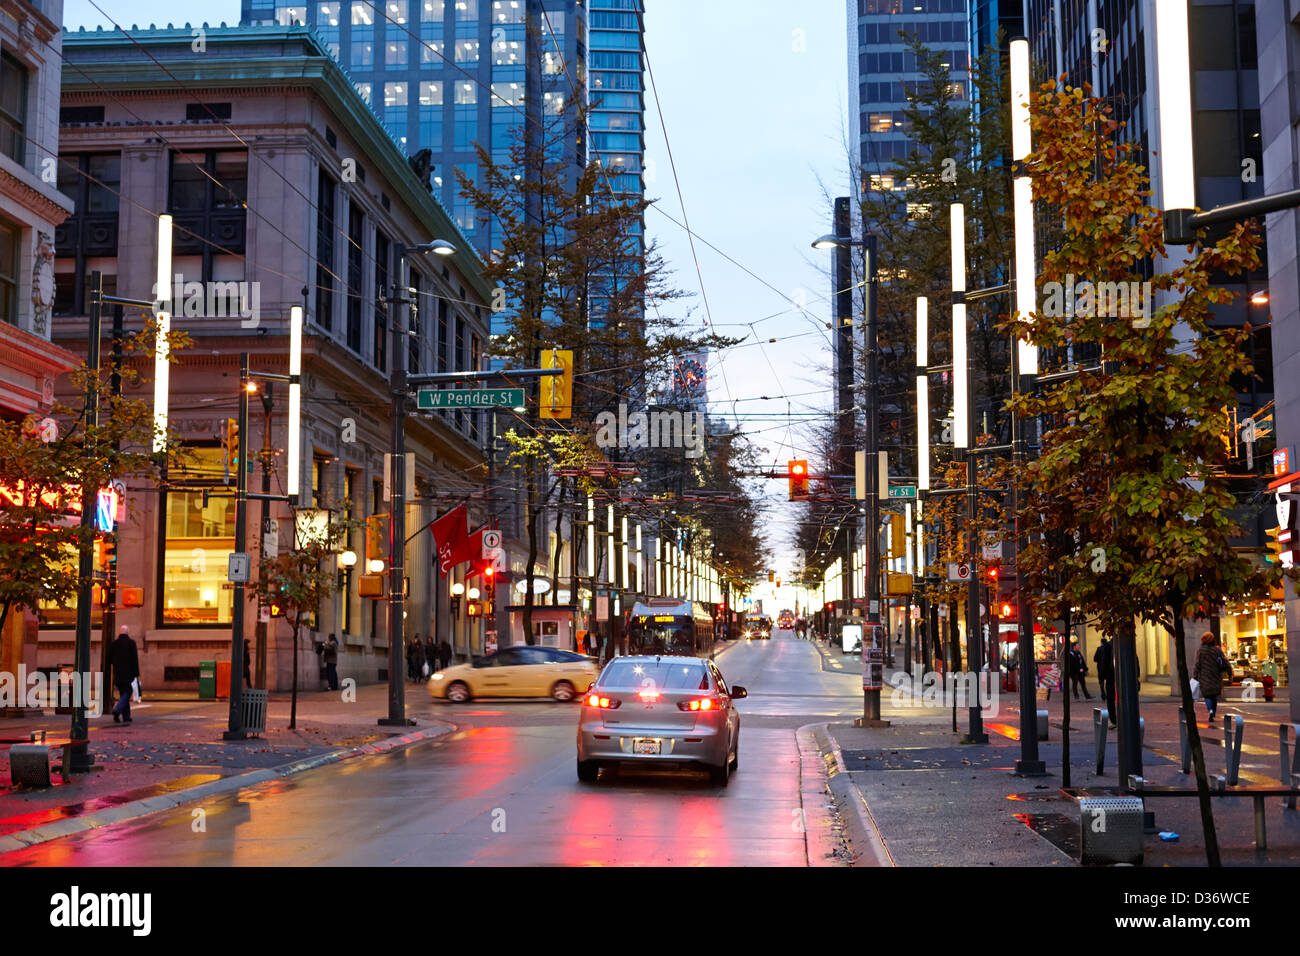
(230, 446)
(1280, 546)
(798, 476)
(376, 539)
(897, 537)
(771, 577)
(556, 392)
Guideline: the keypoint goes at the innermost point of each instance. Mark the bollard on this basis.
(1100, 723)
(1042, 725)
(1290, 754)
(1110, 830)
(1184, 742)
(1233, 727)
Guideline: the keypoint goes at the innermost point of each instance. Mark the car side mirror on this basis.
(737, 692)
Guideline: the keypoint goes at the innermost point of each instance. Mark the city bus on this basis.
(670, 626)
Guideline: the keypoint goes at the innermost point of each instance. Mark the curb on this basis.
(141, 808)
(864, 834)
(825, 840)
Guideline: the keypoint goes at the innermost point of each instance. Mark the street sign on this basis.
(958, 572)
(469, 398)
(238, 567)
(491, 541)
(902, 491)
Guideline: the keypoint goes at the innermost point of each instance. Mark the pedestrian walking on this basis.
(415, 658)
(330, 658)
(431, 653)
(124, 666)
(1077, 669)
(444, 654)
(1210, 667)
(248, 654)
(1105, 660)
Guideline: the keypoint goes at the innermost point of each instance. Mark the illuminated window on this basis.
(288, 16)
(880, 122)
(881, 183)
(194, 556)
(467, 51)
(362, 14)
(395, 10)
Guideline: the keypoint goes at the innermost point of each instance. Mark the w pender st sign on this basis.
(469, 398)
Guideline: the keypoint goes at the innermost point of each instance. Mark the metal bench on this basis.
(1219, 788)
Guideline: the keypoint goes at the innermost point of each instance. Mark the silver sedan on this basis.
(660, 710)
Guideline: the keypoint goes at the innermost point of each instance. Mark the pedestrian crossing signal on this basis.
(556, 392)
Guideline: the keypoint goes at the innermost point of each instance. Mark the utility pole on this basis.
(397, 500)
(843, 292)
(871, 698)
(108, 612)
(235, 724)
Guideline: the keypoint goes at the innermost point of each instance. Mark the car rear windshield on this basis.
(666, 675)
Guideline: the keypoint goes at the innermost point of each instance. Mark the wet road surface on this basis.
(503, 790)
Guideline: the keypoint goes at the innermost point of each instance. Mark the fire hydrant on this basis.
(1268, 686)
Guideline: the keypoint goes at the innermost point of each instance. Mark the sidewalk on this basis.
(934, 801)
(172, 752)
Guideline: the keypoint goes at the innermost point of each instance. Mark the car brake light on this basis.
(602, 703)
(700, 703)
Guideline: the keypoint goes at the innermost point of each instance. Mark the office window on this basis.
(466, 10)
(206, 199)
(195, 547)
(432, 11)
(430, 115)
(395, 95)
(326, 189)
(356, 241)
(508, 11)
(395, 53)
(382, 246)
(395, 11)
(461, 361)
(288, 16)
(444, 335)
(463, 209)
(466, 115)
(415, 341)
(363, 54)
(13, 108)
(10, 239)
(363, 15)
(467, 51)
(92, 182)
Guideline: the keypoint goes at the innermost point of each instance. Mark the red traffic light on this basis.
(490, 571)
(798, 476)
(993, 574)
(798, 468)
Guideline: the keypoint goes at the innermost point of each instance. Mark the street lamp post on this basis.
(871, 698)
(1023, 379)
(397, 485)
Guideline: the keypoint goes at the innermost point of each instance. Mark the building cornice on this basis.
(39, 203)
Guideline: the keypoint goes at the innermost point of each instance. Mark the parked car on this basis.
(517, 671)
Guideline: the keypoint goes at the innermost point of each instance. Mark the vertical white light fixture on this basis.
(659, 567)
(1022, 200)
(640, 562)
(591, 538)
(610, 577)
(922, 393)
(161, 350)
(907, 541)
(622, 574)
(960, 395)
(293, 444)
(919, 537)
(1174, 91)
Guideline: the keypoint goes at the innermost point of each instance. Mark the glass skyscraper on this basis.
(880, 66)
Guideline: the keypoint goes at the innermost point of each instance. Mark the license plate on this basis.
(641, 745)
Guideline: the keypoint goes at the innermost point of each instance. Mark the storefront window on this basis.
(194, 560)
(50, 614)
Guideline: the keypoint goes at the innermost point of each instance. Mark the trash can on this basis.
(207, 680)
(223, 679)
(254, 708)
(1110, 830)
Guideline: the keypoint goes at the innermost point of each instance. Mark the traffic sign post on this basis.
(429, 398)
(902, 491)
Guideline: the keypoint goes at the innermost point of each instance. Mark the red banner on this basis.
(449, 534)
(470, 548)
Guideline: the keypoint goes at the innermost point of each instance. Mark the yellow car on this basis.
(519, 671)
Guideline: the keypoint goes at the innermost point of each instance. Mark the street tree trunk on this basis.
(1194, 739)
(559, 546)
(534, 512)
(293, 697)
